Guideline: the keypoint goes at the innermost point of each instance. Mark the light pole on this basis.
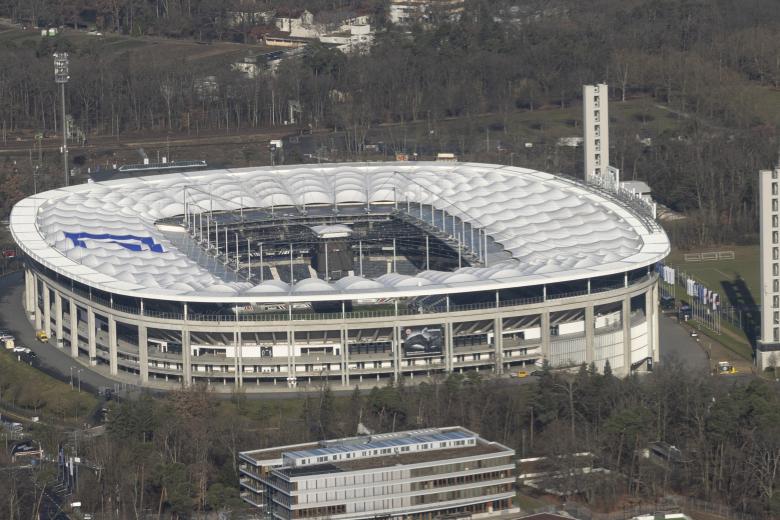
(71, 378)
(61, 76)
(78, 375)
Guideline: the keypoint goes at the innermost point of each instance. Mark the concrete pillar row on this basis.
(46, 310)
(74, 329)
(590, 326)
(112, 346)
(58, 319)
(91, 339)
(143, 354)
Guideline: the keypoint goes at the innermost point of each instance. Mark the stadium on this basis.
(351, 273)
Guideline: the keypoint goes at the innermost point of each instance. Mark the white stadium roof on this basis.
(551, 229)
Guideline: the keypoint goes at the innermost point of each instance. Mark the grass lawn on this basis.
(28, 389)
(737, 281)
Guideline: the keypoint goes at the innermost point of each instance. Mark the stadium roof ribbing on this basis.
(542, 228)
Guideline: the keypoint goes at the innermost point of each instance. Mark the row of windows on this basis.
(461, 494)
(320, 511)
(458, 481)
(461, 466)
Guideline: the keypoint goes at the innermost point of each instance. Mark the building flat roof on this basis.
(278, 455)
(541, 228)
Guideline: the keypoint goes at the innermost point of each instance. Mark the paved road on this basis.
(677, 346)
(53, 361)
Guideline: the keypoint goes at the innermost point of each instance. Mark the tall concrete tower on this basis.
(768, 348)
(595, 120)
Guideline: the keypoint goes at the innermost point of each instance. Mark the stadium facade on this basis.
(352, 273)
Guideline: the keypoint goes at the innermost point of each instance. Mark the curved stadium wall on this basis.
(346, 272)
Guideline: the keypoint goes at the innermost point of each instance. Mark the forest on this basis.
(176, 454)
(712, 64)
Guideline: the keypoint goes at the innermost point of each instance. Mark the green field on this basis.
(737, 281)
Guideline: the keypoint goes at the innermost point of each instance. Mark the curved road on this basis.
(51, 360)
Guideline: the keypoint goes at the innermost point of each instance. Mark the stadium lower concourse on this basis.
(351, 273)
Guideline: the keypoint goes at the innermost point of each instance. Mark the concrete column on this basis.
(626, 335)
(293, 369)
(143, 354)
(396, 353)
(36, 306)
(186, 351)
(112, 349)
(92, 342)
(651, 309)
(46, 310)
(28, 293)
(344, 356)
(449, 347)
(58, 319)
(498, 339)
(590, 325)
(186, 355)
(545, 326)
(74, 329)
(290, 354)
(239, 360)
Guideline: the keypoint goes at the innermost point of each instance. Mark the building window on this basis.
(774, 220)
(776, 302)
(775, 269)
(776, 285)
(598, 134)
(775, 254)
(774, 188)
(775, 237)
(774, 174)
(598, 145)
(596, 115)
(776, 317)
(777, 334)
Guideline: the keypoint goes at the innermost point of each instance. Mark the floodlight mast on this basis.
(61, 76)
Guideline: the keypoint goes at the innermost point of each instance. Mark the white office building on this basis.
(768, 348)
(410, 475)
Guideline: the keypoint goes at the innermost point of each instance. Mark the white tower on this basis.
(595, 120)
(768, 348)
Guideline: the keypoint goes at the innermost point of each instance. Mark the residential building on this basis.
(411, 474)
(411, 11)
(768, 347)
